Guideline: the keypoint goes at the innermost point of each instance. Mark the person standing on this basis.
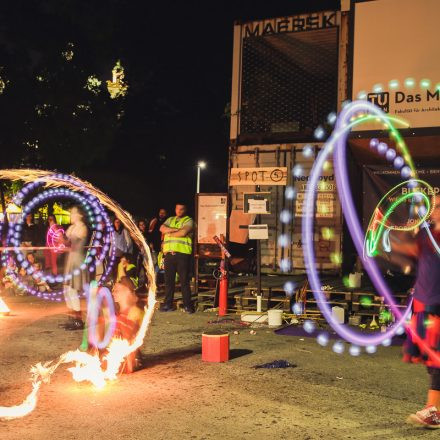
(123, 243)
(422, 344)
(154, 230)
(76, 236)
(29, 235)
(139, 255)
(177, 248)
(128, 319)
(142, 225)
(51, 255)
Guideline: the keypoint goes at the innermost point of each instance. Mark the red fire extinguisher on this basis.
(223, 288)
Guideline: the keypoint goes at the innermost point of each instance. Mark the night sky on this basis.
(178, 62)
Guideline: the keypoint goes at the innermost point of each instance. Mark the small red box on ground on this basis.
(215, 347)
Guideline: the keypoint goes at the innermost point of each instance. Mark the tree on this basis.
(56, 110)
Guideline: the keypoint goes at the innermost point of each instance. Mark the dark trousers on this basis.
(177, 263)
(435, 378)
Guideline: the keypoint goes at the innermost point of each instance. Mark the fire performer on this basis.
(426, 315)
(76, 236)
(129, 317)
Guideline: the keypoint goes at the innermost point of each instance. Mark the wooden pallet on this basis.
(206, 299)
(249, 302)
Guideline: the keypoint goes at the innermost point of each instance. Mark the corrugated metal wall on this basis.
(291, 155)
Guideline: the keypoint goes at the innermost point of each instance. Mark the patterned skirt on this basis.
(425, 321)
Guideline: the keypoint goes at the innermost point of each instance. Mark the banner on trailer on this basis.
(395, 62)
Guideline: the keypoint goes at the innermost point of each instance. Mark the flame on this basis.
(28, 405)
(4, 309)
(40, 374)
(87, 367)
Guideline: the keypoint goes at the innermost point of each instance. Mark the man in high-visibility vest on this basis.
(177, 248)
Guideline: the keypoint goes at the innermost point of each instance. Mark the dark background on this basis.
(178, 62)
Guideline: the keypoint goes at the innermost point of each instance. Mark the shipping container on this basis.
(284, 85)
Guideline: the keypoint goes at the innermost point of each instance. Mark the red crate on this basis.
(215, 347)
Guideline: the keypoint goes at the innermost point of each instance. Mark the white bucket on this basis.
(338, 314)
(275, 317)
(354, 280)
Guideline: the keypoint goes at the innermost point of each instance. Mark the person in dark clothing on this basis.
(29, 235)
(423, 342)
(154, 233)
(139, 255)
(177, 248)
(123, 244)
(142, 225)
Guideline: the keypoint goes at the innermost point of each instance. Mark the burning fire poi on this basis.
(87, 367)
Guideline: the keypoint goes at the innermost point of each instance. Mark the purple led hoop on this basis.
(91, 205)
(94, 304)
(13, 239)
(338, 141)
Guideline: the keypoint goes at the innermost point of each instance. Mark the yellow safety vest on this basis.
(121, 273)
(182, 245)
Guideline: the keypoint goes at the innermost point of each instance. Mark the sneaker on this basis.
(428, 418)
(166, 309)
(189, 310)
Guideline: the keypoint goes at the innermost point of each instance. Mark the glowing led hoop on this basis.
(95, 213)
(338, 143)
(95, 299)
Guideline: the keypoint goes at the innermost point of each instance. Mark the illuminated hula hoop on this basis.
(96, 213)
(354, 114)
(95, 298)
(338, 142)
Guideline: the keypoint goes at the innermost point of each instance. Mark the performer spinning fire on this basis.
(76, 236)
(129, 317)
(425, 321)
